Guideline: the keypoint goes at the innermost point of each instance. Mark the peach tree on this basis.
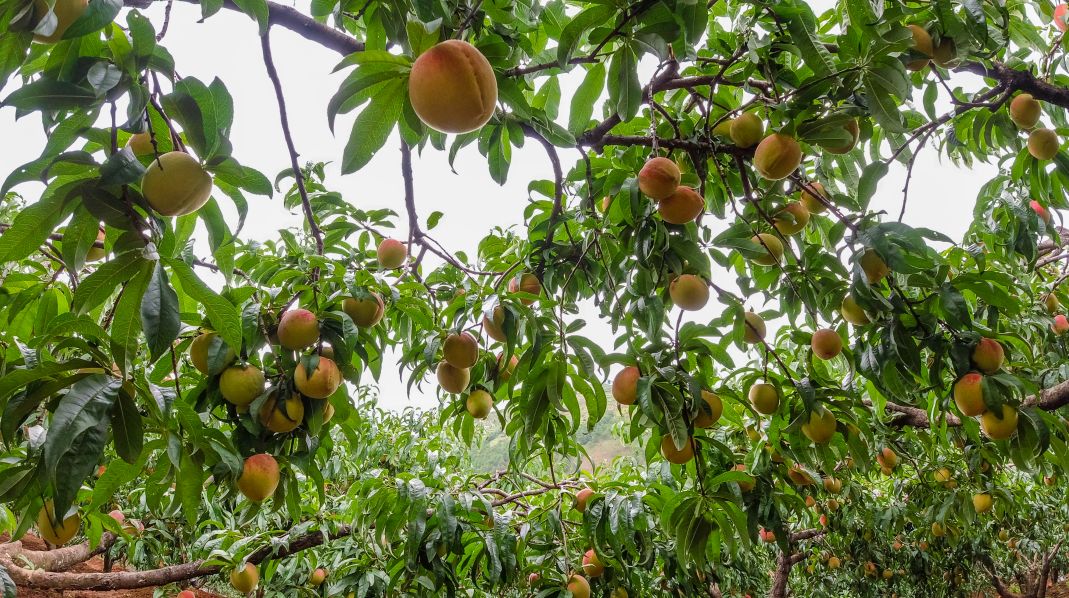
(820, 397)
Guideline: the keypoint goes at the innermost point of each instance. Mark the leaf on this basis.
(100, 14)
(126, 323)
(224, 317)
(881, 103)
(160, 317)
(577, 28)
(121, 168)
(586, 96)
(257, 9)
(31, 227)
(625, 90)
(127, 430)
(77, 434)
(372, 127)
(188, 484)
(870, 178)
(106, 280)
(801, 26)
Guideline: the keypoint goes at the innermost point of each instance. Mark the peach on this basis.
(391, 254)
(241, 384)
(175, 184)
(707, 417)
(689, 292)
(582, 498)
(50, 532)
(95, 254)
(504, 370)
(969, 394)
(452, 379)
(200, 348)
(777, 156)
(365, 312)
(675, 455)
(945, 53)
(792, 218)
(578, 586)
(452, 87)
(66, 11)
(982, 502)
(494, 324)
(1043, 144)
(591, 565)
(259, 477)
(852, 129)
(833, 485)
(526, 283)
(754, 330)
(812, 202)
(771, 246)
(764, 398)
(826, 343)
(988, 355)
(298, 329)
(1025, 111)
(283, 418)
(317, 577)
(140, 144)
(246, 579)
(1060, 325)
(820, 426)
(658, 178)
(887, 458)
(321, 383)
(460, 350)
(625, 385)
(873, 266)
(681, 207)
(1060, 16)
(922, 44)
(1040, 210)
(852, 312)
(745, 486)
(479, 403)
(999, 428)
(746, 130)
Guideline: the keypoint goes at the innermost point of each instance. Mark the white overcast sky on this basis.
(226, 46)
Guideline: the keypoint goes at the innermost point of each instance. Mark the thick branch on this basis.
(128, 580)
(290, 18)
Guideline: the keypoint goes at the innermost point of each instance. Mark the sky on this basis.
(226, 46)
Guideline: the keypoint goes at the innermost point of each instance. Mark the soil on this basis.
(93, 565)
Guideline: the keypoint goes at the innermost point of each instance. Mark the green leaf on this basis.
(160, 317)
(224, 317)
(127, 430)
(870, 178)
(188, 486)
(586, 96)
(106, 280)
(126, 323)
(802, 26)
(257, 9)
(372, 127)
(577, 29)
(100, 14)
(625, 90)
(76, 436)
(49, 94)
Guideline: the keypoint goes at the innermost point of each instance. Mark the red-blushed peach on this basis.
(259, 477)
(452, 87)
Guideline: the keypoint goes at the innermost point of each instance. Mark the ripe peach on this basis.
(578, 586)
(746, 130)
(582, 498)
(591, 565)
(675, 455)
(771, 246)
(283, 418)
(1025, 111)
(705, 419)
(57, 536)
(259, 477)
(1060, 325)
(95, 254)
(494, 325)
(1060, 12)
(658, 178)
(833, 485)
(689, 292)
(185, 594)
(777, 156)
(1040, 210)
(922, 44)
(625, 385)
(504, 371)
(391, 254)
(175, 184)
(982, 502)
(853, 131)
(998, 428)
(887, 458)
(969, 395)
(66, 11)
(852, 312)
(810, 201)
(452, 87)
(1043, 144)
(526, 283)
(452, 379)
(317, 577)
(792, 218)
(365, 312)
(764, 398)
(246, 579)
(745, 486)
(240, 384)
(873, 266)
(945, 52)
(479, 403)
(460, 350)
(834, 562)
(200, 348)
(826, 343)
(820, 426)
(681, 207)
(298, 329)
(754, 330)
(988, 355)
(140, 144)
(321, 383)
